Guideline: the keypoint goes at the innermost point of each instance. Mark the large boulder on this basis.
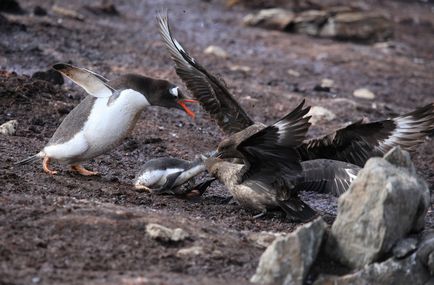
(390, 272)
(385, 203)
(288, 259)
(425, 253)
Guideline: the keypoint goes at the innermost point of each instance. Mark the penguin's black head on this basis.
(172, 97)
(158, 92)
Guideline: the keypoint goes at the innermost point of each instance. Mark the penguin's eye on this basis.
(174, 91)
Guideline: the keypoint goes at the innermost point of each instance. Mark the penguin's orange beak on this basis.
(186, 109)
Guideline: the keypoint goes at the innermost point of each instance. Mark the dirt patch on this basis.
(73, 230)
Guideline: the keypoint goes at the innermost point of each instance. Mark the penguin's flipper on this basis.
(167, 186)
(201, 187)
(94, 84)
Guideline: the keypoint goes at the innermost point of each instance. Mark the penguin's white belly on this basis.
(155, 178)
(107, 125)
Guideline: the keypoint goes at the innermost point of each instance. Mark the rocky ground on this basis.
(70, 229)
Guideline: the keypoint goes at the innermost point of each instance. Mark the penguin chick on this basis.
(166, 175)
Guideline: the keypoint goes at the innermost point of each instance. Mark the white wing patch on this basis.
(351, 174)
(282, 129)
(178, 45)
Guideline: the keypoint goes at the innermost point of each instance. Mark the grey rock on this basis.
(400, 158)
(263, 239)
(163, 233)
(390, 272)
(216, 51)
(275, 19)
(364, 93)
(320, 114)
(430, 262)
(382, 206)
(288, 259)
(310, 22)
(360, 26)
(425, 253)
(190, 251)
(9, 128)
(404, 247)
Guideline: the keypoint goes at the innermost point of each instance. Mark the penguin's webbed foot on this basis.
(83, 171)
(46, 166)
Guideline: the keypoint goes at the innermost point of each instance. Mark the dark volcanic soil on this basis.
(70, 229)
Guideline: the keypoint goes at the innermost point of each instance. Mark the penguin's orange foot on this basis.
(45, 166)
(83, 171)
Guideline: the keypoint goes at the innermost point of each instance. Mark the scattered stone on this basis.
(65, 12)
(263, 239)
(325, 86)
(50, 75)
(39, 11)
(108, 9)
(9, 128)
(320, 114)
(163, 233)
(11, 6)
(392, 271)
(404, 247)
(217, 51)
(190, 251)
(275, 19)
(364, 93)
(339, 22)
(309, 22)
(249, 98)
(371, 214)
(293, 72)
(242, 68)
(327, 83)
(288, 259)
(359, 26)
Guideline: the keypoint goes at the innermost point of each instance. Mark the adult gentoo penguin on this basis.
(355, 143)
(104, 118)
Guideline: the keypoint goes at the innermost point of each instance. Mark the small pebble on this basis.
(364, 93)
(217, 51)
(9, 128)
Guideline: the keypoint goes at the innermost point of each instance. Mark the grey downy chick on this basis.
(169, 175)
